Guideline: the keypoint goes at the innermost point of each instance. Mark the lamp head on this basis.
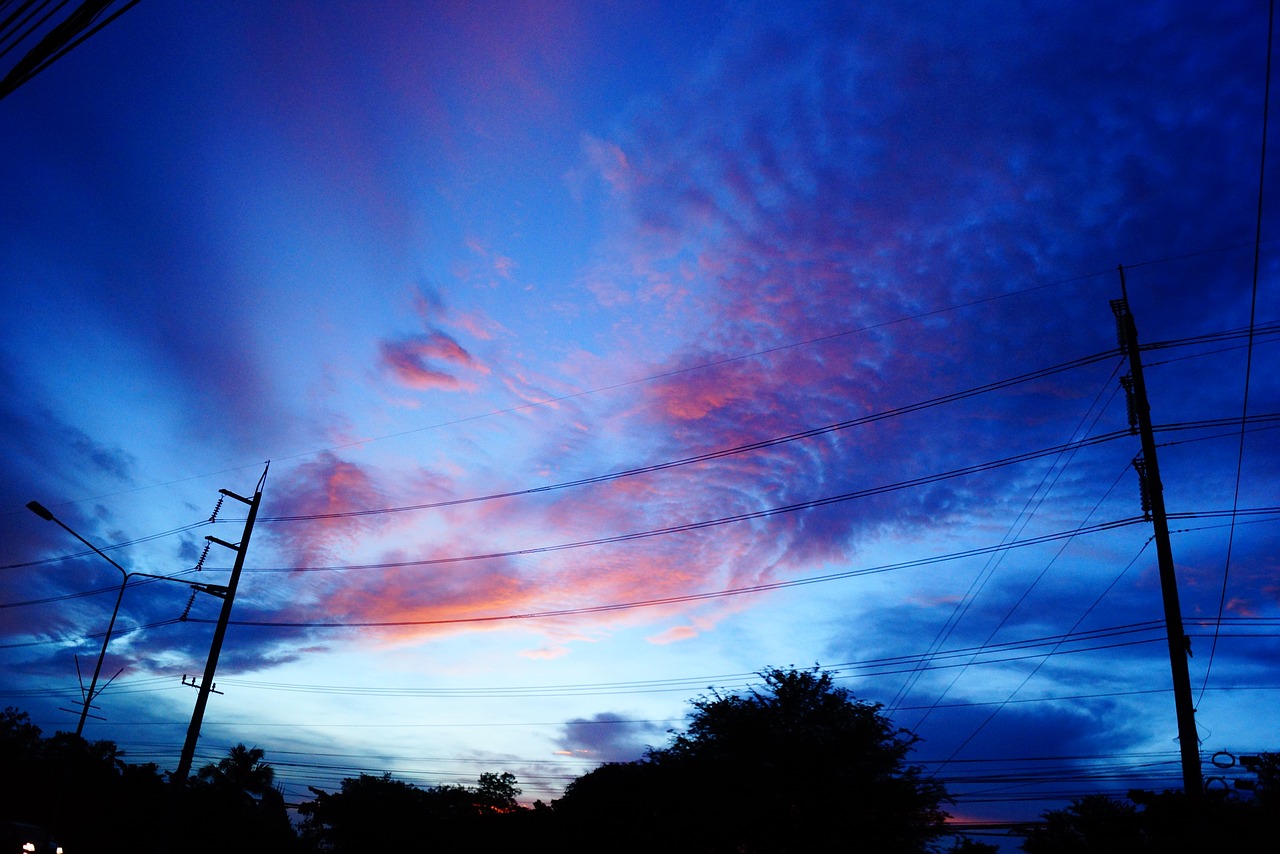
(40, 510)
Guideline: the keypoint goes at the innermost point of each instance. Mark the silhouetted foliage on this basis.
(83, 793)
(371, 813)
(1266, 791)
(1249, 817)
(241, 771)
(965, 845)
(1093, 823)
(90, 799)
(497, 792)
(799, 766)
(366, 813)
(250, 812)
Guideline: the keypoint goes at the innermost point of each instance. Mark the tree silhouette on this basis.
(83, 793)
(765, 771)
(1248, 814)
(497, 792)
(251, 812)
(1092, 823)
(370, 813)
(241, 770)
(367, 813)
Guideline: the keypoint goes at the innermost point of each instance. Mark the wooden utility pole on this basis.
(1153, 494)
(206, 684)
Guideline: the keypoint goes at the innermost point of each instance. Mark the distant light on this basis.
(29, 846)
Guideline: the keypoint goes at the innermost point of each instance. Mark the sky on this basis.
(607, 354)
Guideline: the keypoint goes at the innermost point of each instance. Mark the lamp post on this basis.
(215, 589)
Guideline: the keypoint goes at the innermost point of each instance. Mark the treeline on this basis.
(1169, 821)
(797, 765)
(89, 799)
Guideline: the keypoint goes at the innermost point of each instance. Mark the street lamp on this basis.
(214, 589)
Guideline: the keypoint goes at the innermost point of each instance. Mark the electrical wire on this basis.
(694, 597)
(770, 442)
(769, 512)
(64, 37)
(841, 672)
(1253, 309)
(688, 369)
(999, 708)
(724, 452)
(108, 548)
(1024, 518)
(1025, 593)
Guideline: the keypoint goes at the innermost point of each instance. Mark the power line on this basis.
(774, 441)
(1253, 308)
(1266, 512)
(725, 452)
(684, 370)
(81, 594)
(65, 641)
(1026, 679)
(1027, 592)
(757, 588)
(842, 671)
(980, 581)
(922, 480)
(108, 548)
(53, 44)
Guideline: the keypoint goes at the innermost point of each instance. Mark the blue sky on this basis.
(441, 252)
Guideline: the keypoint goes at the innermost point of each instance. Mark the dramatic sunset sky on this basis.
(614, 352)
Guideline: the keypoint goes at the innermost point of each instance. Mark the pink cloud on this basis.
(1241, 607)
(667, 567)
(673, 635)
(610, 162)
(503, 266)
(694, 397)
(323, 486)
(545, 653)
(415, 361)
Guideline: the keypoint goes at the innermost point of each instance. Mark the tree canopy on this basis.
(371, 813)
(768, 770)
(239, 789)
(1169, 821)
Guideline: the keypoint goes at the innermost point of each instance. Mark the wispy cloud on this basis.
(432, 359)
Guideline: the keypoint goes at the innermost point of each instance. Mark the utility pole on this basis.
(206, 685)
(1153, 503)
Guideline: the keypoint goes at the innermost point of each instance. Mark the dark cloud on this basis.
(37, 441)
(608, 737)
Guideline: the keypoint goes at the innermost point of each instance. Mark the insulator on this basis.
(1130, 402)
(1144, 492)
(187, 610)
(1120, 308)
(214, 515)
(203, 555)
